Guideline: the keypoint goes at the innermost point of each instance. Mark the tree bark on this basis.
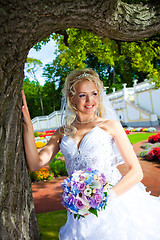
(18, 220)
(40, 98)
(24, 23)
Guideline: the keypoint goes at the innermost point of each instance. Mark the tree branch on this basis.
(64, 33)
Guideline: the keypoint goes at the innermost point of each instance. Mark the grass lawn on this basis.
(138, 137)
(50, 224)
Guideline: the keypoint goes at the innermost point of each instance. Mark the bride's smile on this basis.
(86, 99)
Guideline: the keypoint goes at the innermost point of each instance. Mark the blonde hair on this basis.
(69, 91)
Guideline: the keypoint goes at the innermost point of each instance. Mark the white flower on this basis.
(86, 175)
(87, 191)
(96, 184)
(76, 175)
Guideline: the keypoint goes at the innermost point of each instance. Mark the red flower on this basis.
(127, 131)
(154, 154)
(50, 131)
(47, 133)
(154, 138)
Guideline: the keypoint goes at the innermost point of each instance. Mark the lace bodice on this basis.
(95, 151)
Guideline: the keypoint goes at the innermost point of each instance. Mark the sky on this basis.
(45, 55)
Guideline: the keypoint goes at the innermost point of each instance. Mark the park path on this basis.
(46, 195)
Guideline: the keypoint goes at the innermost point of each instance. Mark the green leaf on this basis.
(80, 216)
(93, 211)
(105, 193)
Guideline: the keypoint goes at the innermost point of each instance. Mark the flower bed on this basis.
(151, 150)
(42, 174)
(57, 168)
(130, 129)
(56, 165)
(41, 138)
(46, 133)
(40, 144)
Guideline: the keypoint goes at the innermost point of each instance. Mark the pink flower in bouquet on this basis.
(81, 186)
(98, 198)
(79, 204)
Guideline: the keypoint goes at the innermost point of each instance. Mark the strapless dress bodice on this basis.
(95, 151)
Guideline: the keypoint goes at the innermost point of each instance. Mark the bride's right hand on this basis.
(26, 116)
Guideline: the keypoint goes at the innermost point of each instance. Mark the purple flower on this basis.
(103, 176)
(89, 169)
(93, 203)
(102, 181)
(64, 183)
(98, 198)
(70, 199)
(66, 189)
(80, 186)
(79, 204)
(73, 184)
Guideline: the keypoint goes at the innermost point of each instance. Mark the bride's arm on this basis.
(34, 159)
(134, 174)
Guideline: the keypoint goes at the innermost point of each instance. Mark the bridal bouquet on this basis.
(85, 192)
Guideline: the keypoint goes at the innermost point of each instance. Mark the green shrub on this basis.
(58, 167)
(146, 145)
(157, 144)
(36, 134)
(142, 154)
(59, 155)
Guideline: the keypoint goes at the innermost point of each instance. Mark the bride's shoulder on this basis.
(111, 126)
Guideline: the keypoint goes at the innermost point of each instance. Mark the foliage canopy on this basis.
(116, 62)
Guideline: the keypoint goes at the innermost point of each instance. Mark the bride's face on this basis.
(86, 97)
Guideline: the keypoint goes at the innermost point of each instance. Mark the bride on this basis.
(88, 139)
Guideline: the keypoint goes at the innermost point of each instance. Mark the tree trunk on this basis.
(24, 23)
(18, 220)
(114, 75)
(40, 98)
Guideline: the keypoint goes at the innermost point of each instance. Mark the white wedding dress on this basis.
(135, 215)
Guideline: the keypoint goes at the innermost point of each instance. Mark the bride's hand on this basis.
(26, 116)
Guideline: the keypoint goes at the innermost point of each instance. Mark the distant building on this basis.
(138, 105)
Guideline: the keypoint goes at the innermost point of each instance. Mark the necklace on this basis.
(85, 122)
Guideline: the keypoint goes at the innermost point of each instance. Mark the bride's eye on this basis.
(82, 95)
(95, 94)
